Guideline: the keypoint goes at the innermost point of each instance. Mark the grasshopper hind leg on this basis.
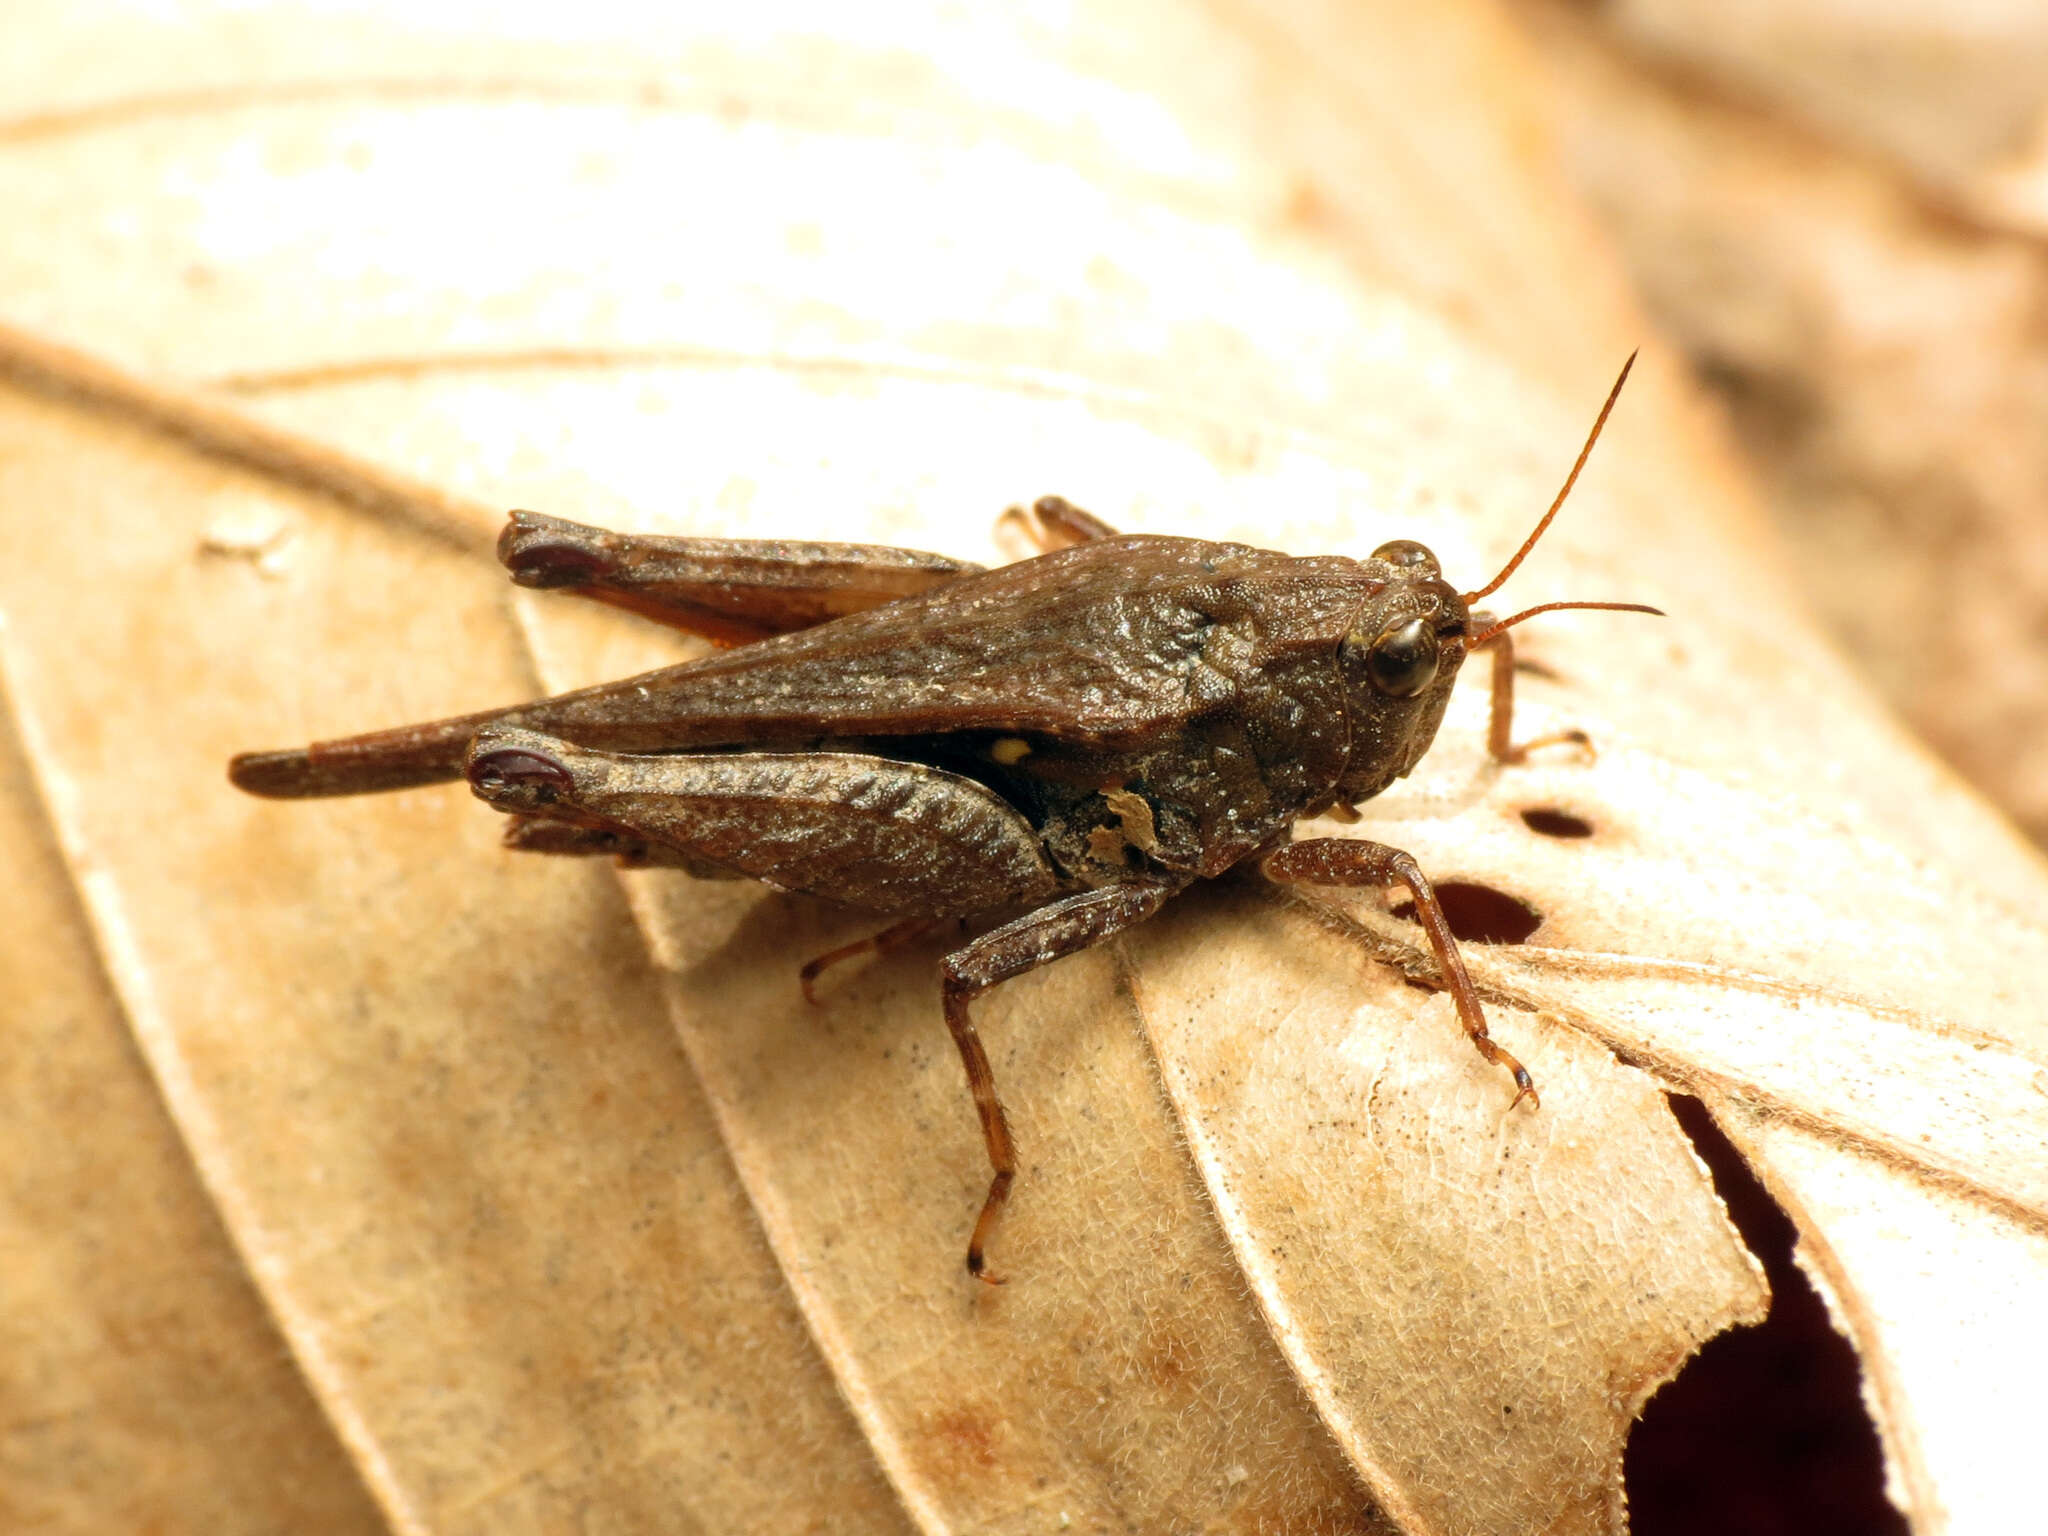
(730, 591)
(538, 834)
(881, 835)
(1053, 522)
(870, 832)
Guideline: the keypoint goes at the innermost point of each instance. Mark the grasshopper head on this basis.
(1400, 658)
(1412, 633)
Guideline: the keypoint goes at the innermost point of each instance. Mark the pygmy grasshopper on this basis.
(1074, 737)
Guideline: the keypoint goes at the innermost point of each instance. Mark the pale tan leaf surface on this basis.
(138, 1370)
(1831, 1015)
(486, 1204)
(1479, 1305)
(409, 137)
(873, 274)
(1120, 1376)
(1932, 1282)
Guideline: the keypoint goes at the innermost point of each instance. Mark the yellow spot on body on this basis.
(1009, 750)
(1106, 845)
(1134, 814)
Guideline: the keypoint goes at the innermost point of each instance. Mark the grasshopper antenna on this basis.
(1474, 642)
(1570, 480)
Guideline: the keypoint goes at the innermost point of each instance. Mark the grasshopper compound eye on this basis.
(1401, 661)
(1409, 555)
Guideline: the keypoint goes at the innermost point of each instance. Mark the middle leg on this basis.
(1063, 927)
(887, 942)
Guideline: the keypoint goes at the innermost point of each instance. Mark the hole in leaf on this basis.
(1552, 822)
(1478, 914)
(1764, 1430)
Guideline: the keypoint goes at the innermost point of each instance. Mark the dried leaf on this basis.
(1282, 1260)
(138, 1369)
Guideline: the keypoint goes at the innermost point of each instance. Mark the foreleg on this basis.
(1500, 720)
(1353, 861)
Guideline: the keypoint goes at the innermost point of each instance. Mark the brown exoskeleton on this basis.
(1076, 736)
